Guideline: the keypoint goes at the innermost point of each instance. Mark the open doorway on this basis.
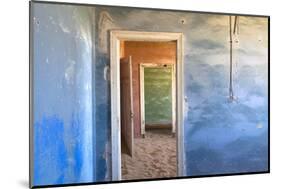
(147, 95)
(157, 92)
(141, 140)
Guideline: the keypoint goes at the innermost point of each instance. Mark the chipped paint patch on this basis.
(107, 157)
(104, 25)
(69, 72)
(64, 28)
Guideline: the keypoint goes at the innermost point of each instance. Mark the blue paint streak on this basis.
(49, 152)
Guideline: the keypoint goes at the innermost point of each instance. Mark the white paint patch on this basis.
(83, 34)
(87, 87)
(186, 107)
(106, 156)
(255, 102)
(52, 20)
(106, 73)
(36, 21)
(69, 72)
(259, 126)
(64, 28)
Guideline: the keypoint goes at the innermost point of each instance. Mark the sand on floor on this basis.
(154, 156)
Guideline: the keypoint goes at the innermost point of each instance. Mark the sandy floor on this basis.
(154, 156)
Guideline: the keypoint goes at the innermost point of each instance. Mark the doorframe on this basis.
(115, 37)
(142, 96)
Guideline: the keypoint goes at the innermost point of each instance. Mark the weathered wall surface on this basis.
(158, 95)
(146, 52)
(72, 91)
(220, 137)
(64, 150)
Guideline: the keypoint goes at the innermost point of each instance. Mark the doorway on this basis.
(159, 99)
(116, 99)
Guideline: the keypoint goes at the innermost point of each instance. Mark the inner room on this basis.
(147, 106)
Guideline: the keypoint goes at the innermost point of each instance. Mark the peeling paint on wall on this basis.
(106, 155)
(105, 23)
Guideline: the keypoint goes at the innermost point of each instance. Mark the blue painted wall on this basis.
(72, 94)
(64, 149)
(220, 137)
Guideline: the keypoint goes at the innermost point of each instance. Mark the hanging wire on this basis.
(236, 55)
(238, 29)
(234, 33)
(231, 95)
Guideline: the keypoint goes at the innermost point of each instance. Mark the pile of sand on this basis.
(154, 156)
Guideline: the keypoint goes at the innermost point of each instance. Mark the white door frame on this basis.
(115, 37)
(142, 96)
